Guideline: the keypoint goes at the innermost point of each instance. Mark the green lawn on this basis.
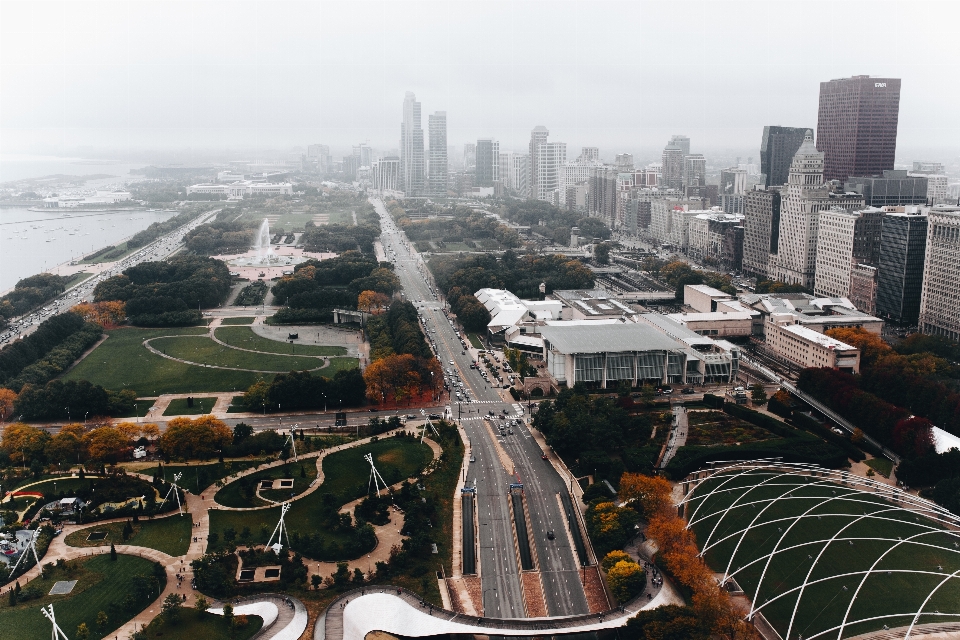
(336, 364)
(475, 341)
(231, 496)
(178, 407)
(76, 278)
(194, 625)
(170, 534)
(203, 350)
(100, 584)
(200, 477)
(345, 474)
(245, 338)
(236, 405)
(898, 544)
(122, 362)
(341, 216)
(58, 485)
(122, 252)
(233, 321)
(883, 466)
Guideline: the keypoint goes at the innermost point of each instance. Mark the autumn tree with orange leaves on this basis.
(372, 301)
(108, 314)
(199, 439)
(678, 553)
(400, 377)
(7, 398)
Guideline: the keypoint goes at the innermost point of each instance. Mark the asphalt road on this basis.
(498, 564)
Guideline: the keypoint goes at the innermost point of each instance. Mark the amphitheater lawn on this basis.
(203, 350)
(245, 338)
(122, 362)
(231, 496)
(234, 321)
(170, 534)
(345, 474)
(819, 534)
(194, 625)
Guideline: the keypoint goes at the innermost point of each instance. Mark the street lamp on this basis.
(85, 418)
(68, 413)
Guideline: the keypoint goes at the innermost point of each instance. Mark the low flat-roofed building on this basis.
(721, 324)
(590, 304)
(507, 310)
(809, 348)
(703, 298)
(818, 314)
(244, 188)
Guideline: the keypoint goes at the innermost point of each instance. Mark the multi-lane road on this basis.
(493, 473)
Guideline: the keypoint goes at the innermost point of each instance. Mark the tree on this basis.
(106, 444)
(102, 619)
(194, 439)
(316, 580)
(83, 632)
(342, 576)
(758, 394)
(67, 446)
(372, 301)
(626, 580)
(241, 432)
(201, 604)
(129, 430)
(602, 253)
(113, 553)
(613, 558)
(149, 431)
(228, 614)
(23, 442)
(652, 492)
(171, 607)
(7, 398)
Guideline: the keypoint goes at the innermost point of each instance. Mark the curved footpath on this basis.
(284, 618)
(198, 509)
(396, 611)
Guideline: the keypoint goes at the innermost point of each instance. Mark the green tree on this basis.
(316, 580)
(342, 575)
(602, 253)
(171, 608)
(83, 632)
(201, 604)
(758, 394)
(228, 615)
(113, 553)
(613, 558)
(102, 619)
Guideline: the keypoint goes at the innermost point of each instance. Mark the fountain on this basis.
(261, 254)
(263, 247)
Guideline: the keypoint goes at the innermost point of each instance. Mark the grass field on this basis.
(178, 407)
(100, 583)
(58, 485)
(194, 625)
(245, 338)
(170, 534)
(203, 350)
(345, 474)
(230, 495)
(121, 362)
(100, 259)
(235, 321)
(200, 477)
(75, 278)
(883, 466)
(236, 405)
(475, 341)
(843, 534)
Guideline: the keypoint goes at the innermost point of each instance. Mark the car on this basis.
(551, 535)
(544, 457)
(411, 417)
(434, 416)
(491, 413)
(687, 391)
(373, 409)
(473, 459)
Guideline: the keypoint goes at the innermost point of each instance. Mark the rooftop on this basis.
(603, 338)
(815, 336)
(592, 302)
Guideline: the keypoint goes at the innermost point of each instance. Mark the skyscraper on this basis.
(939, 304)
(488, 162)
(777, 148)
(682, 142)
(411, 147)
(551, 156)
(761, 230)
(438, 169)
(857, 126)
(844, 238)
(806, 196)
(672, 160)
(538, 137)
(900, 277)
(694, 175)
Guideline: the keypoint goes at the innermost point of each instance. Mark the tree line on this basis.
(520, 273)
(221, 237)
(30, 293)
(402, 364)
(47, 352)
(168, 293)
(305, 390)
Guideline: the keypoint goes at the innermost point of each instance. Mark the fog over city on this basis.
(107, 79)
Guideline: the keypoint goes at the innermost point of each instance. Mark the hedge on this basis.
(802, 448)
(761, 420)
(712, 401)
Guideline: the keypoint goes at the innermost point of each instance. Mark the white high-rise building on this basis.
(411, 147)
(514, 171)
(438, 169)
(939, 303)
(806, 196)
(386, 174)
(551, 156)
(538, 137)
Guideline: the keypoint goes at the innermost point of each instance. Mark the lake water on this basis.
(33, 241)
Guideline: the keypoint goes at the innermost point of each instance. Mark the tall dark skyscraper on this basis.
(903, 248)
(777, 149)
(857, 126)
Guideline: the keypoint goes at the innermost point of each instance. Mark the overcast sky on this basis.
(618, 75)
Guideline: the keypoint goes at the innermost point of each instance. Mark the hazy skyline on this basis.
(618, 75)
